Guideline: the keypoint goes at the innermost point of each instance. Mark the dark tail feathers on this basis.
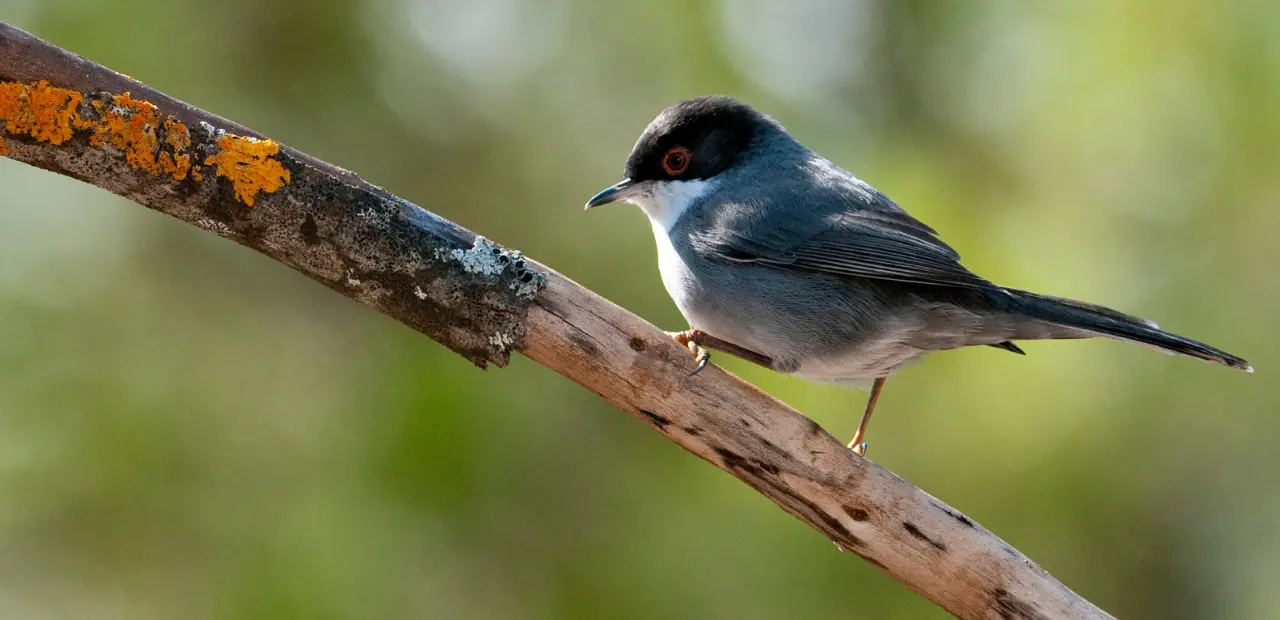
(1083, 320)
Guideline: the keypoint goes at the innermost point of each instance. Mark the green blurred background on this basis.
(188, 430)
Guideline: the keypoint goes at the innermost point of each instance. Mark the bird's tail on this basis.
(1056, 317)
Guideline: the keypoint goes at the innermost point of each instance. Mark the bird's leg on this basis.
(689, 339)
(698, 341)
(859, 446)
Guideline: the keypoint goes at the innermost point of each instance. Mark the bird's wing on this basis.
(860, 234)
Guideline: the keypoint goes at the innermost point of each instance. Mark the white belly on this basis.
(874, 357)
(859, 367)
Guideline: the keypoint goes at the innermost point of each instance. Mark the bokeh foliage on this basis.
(189, 430)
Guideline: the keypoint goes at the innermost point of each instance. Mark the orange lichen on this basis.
(39, 110)
(148, 140)
(248, 163)
(52, 115)
(176, 135)
(135, 127)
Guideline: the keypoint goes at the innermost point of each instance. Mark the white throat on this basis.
(666, 201)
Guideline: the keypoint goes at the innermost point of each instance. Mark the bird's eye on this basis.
(676, 161)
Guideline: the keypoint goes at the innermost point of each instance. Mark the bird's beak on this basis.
(618, 191)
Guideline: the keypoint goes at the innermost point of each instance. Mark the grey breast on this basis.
(797, 319)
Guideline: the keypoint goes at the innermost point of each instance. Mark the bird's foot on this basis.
(859, 446)
(689, 340)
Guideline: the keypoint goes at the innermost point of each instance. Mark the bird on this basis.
(774, 253)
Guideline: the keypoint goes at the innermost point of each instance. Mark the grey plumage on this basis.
(765, 244)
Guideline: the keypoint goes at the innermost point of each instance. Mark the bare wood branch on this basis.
(71, 116)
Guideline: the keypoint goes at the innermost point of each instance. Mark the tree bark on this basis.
(68, 115)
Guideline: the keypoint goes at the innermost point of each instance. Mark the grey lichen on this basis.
(491, 260)
(213, 132)
(501, 341)
(214, 226)
(528, 289)
(483, 258)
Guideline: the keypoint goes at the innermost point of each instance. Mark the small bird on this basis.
(774, 253)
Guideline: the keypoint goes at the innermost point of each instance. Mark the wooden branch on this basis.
(73, 117)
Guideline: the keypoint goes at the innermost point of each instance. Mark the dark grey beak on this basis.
(613, 193)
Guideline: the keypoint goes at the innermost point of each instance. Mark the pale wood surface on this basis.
(863, 508)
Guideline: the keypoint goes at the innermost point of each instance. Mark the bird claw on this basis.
(689, 340)
(859, 449)
(701, 357)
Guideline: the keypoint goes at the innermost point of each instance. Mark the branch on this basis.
(65, 114)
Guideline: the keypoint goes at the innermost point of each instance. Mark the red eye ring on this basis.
(676, 161)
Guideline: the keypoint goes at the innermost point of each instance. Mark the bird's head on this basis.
(683, 152)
